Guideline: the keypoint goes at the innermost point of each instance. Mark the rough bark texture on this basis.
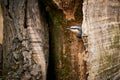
(101, 23)
(25, 43)
(26, 40)
(68, 7)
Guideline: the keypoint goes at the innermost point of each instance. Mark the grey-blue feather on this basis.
(79, 35)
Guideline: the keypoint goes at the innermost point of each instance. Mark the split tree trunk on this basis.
(102, 26)
(25, 42)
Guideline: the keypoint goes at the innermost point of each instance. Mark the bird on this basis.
(77, 30)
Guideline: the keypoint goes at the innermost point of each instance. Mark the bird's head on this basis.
(77, 30)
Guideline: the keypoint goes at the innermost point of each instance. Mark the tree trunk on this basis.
(26, 39)
(101, 23)
(25, 42)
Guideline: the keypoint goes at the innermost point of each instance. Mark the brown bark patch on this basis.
(68, 6)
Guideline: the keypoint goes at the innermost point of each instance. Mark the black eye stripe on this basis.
(73, 28)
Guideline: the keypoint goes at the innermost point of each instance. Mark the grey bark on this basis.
(25, 42)
(101, 23)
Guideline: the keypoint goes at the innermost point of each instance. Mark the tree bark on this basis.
(26, 39)
(25, 42)
(101, 23)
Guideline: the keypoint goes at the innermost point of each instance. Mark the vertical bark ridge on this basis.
(36, 32)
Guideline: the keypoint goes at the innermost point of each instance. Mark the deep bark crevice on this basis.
(25, 17)
(1, 60)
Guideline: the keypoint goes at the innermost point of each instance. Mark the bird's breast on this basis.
(75, 31)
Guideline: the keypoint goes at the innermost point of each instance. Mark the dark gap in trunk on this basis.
(1, 60)
(25, 11)
(51, 63)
